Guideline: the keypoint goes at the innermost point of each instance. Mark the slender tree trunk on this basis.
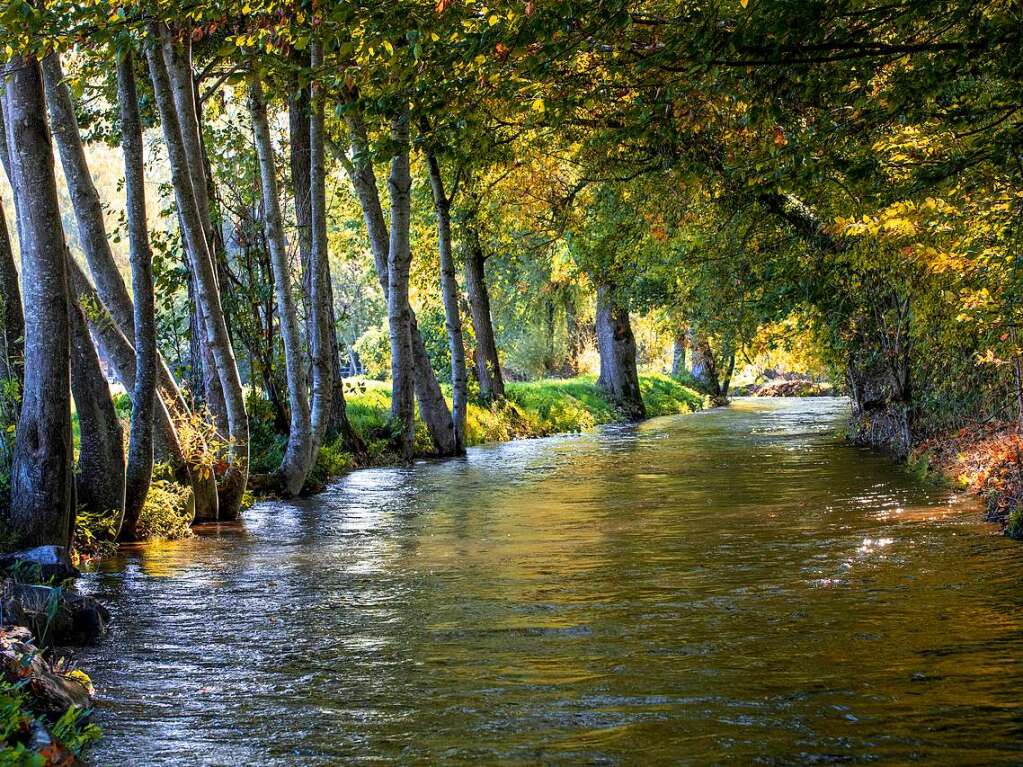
(85, 198)
(617, 346)
(488, 366)
(573, 333)
(319, 267)
(432, 406)
(449, 295)
(143, 395)
(398, 310)
(99, 481)
(42, 478)
(232, 486)
(298, 454)
(177, 58)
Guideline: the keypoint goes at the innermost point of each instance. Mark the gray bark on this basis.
(99, 480)
(398, 310)
(449, 295)
(138, 474)
(488, 365)
(214, 323)
(319, 267)
(432, 406)
(298, 453)
(85, 200)
(42, 479)
(617, 346)
(177, 60)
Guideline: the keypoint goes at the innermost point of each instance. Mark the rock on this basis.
(43, 563)
(54, 614)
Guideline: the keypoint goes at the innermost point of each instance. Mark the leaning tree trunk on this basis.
(617, 346)
(488, 366)
(449, 295)
(214, 324)
(432, 407)
(99, 481)
(85, 200)
(42, 477)
(298, 453)
(177, 60)
(398, 264)
(139, 472)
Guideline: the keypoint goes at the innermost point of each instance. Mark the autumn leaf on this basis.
(443, 5)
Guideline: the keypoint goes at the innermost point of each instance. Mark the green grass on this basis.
(531, 409)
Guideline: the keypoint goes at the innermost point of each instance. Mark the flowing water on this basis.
(736, 586)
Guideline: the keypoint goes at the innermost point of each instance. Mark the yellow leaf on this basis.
(539, 106)
(743, 3)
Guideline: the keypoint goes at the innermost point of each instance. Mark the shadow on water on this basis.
(732, 586)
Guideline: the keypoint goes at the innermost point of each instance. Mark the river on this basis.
(734, 586)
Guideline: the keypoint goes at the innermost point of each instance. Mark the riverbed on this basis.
(733, 586)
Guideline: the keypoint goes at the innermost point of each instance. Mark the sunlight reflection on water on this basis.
(733, 586)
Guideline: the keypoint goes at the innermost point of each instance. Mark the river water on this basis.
(735, 586)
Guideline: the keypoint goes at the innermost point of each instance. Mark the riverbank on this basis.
(530, 410)
(985, 460)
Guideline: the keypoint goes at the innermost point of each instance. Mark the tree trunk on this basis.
(449, 295)
(99, 481)
(177, 58)
(298, 454)
(617, 346)
(85, 198)
(120, 355)
(214, 324)
(42, 478)
(398, 264)
(432, 406)
(488, 366)
(678, 354)
(319, 267)
(703, 367)
(139, 472)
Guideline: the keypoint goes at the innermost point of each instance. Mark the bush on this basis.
(167, 512)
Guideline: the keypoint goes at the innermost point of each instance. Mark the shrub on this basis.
(167, 512)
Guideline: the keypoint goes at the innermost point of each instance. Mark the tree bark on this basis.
(298, 454)
(99, 481)
(42, 478)
(432, 406)
(703, 367)
(449, 295)
(488, 365)
(85, 200)
(617, 346)
(232, 486)
(398, 310)
(319, 267)
(678, 354)
(139, 472)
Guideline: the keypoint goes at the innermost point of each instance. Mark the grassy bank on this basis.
(531, 409)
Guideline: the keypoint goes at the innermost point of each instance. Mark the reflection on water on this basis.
(732, 586)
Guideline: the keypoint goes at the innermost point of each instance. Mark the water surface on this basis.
(733, 586)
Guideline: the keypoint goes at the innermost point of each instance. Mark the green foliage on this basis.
(71, 730)
(167, 512)
(374, 350)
